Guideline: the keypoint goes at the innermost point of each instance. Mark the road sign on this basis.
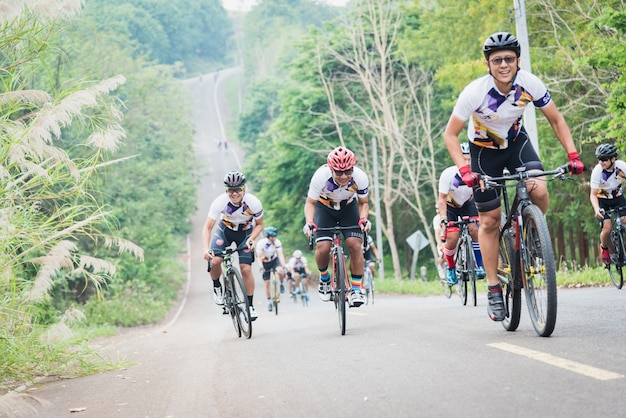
(417, 241)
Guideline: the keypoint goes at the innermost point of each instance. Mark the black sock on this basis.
(250, 300)
(217, 283)
(496, 288)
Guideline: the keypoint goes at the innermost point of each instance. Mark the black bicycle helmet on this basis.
(606, 151)
(270, 231)
(234, 179)
(501, 41)
(465, 148)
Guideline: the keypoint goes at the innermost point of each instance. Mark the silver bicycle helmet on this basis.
(606, 151)
(234, 179)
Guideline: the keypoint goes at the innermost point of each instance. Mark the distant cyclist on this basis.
(270, 253)
(457, 200)
(370, 255)
(606, 193)
(239, 217)
(338, 196)
(298, 270)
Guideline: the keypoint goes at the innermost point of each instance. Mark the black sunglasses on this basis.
(340, 173)
(603, 159)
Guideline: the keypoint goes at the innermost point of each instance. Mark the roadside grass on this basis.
(583, 277)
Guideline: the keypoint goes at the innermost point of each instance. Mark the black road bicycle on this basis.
(465, 259)
(618, 252)
(340, 283)
(235, 297)
(526, 257)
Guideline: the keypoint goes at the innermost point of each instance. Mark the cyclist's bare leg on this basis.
(473, 230)
(489, 239)
(356, 255)
(538, 188)
(605, 233)
(452, 238)
(248, 278)
(216, 268)
(267, 288)
(322, 254)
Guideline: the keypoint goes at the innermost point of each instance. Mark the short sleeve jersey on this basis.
(608, 183)
(297, 264)
(267, 250)
(236, 217)
(324, 189)
(496, 118)
(451, 184)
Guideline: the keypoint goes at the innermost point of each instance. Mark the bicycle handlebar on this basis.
(334, 229)
(231, 249)
(499, 182)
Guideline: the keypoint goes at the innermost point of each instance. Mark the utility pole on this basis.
(530, 121)
(379, 236)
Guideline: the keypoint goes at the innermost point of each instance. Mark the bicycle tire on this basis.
(461, 284)
(470, 267)
(230, 305)
(446, 287)
(369, 289)
(617, 277)
(339, 271)
(539, 271)
(275, 291)
(242, 305)
(508, 268)
(303, 292)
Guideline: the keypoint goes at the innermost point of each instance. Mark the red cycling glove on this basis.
(470, 178)
(576, 166)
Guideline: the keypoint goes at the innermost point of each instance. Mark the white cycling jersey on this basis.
(608, 183)
(236, 217)
(297, 264)
(451, 184)
(324, 189)
(495, 118)
(267, 250)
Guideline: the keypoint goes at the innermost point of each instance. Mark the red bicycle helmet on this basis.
(340, 159)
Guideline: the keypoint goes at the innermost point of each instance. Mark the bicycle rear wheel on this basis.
(240, 300)
(339, 276)
(508, 273)
(447, 288)
(461, 272)
(470, 267)
(303, 293)
(369, 284)
(274, 291)
(540, 271)
(617, 259)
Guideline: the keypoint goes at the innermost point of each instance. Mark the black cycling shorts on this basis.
(224, 236)
(347, 216)
(608, 204)
(492, 162)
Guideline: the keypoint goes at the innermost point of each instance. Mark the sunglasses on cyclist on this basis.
(340, 173)
(234, 190)
(498, 60)
(603, 159)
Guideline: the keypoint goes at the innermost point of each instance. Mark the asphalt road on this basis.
(404, 356)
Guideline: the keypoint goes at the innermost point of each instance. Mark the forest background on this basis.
(94, 113)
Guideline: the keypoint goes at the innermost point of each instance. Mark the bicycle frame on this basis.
(618, 241)
(340, 281)
(465, 259)
(530, 267)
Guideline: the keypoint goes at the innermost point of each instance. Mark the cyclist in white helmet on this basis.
(457, 200)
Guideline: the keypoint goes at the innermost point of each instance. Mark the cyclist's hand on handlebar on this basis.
(365, 224)
(208, 254)
(470, 178)
(250, 244)
(600, 213)
(309, 228)
(576, 166)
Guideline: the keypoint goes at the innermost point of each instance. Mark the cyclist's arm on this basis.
(559, 126)
(442, 206)
(451, 139)
(206, 235)
(309, 210)
(364, 207)
(256, 231)
(595, 202)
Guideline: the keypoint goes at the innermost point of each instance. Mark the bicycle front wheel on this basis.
(508, 270)
(540, 271)
(240, 301)
(617, 238)
(339, 270)
(461, 272)
(470, 267)
(275, 292)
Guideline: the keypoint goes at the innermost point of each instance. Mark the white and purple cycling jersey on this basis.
(451, 184)
(237, 218)
(608, 183)
(298, 265)
(496, 118)
(324, 189)
(268, 250)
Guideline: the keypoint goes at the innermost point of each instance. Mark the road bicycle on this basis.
(368, 282)
(235, 296)
(303, 291)
(618, 252)
(465, 259)
(340, 282)
(274, 290)
(526, 257)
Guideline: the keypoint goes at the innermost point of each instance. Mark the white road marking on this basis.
(570, 365)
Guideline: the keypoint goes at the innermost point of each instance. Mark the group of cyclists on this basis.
(492, 106)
